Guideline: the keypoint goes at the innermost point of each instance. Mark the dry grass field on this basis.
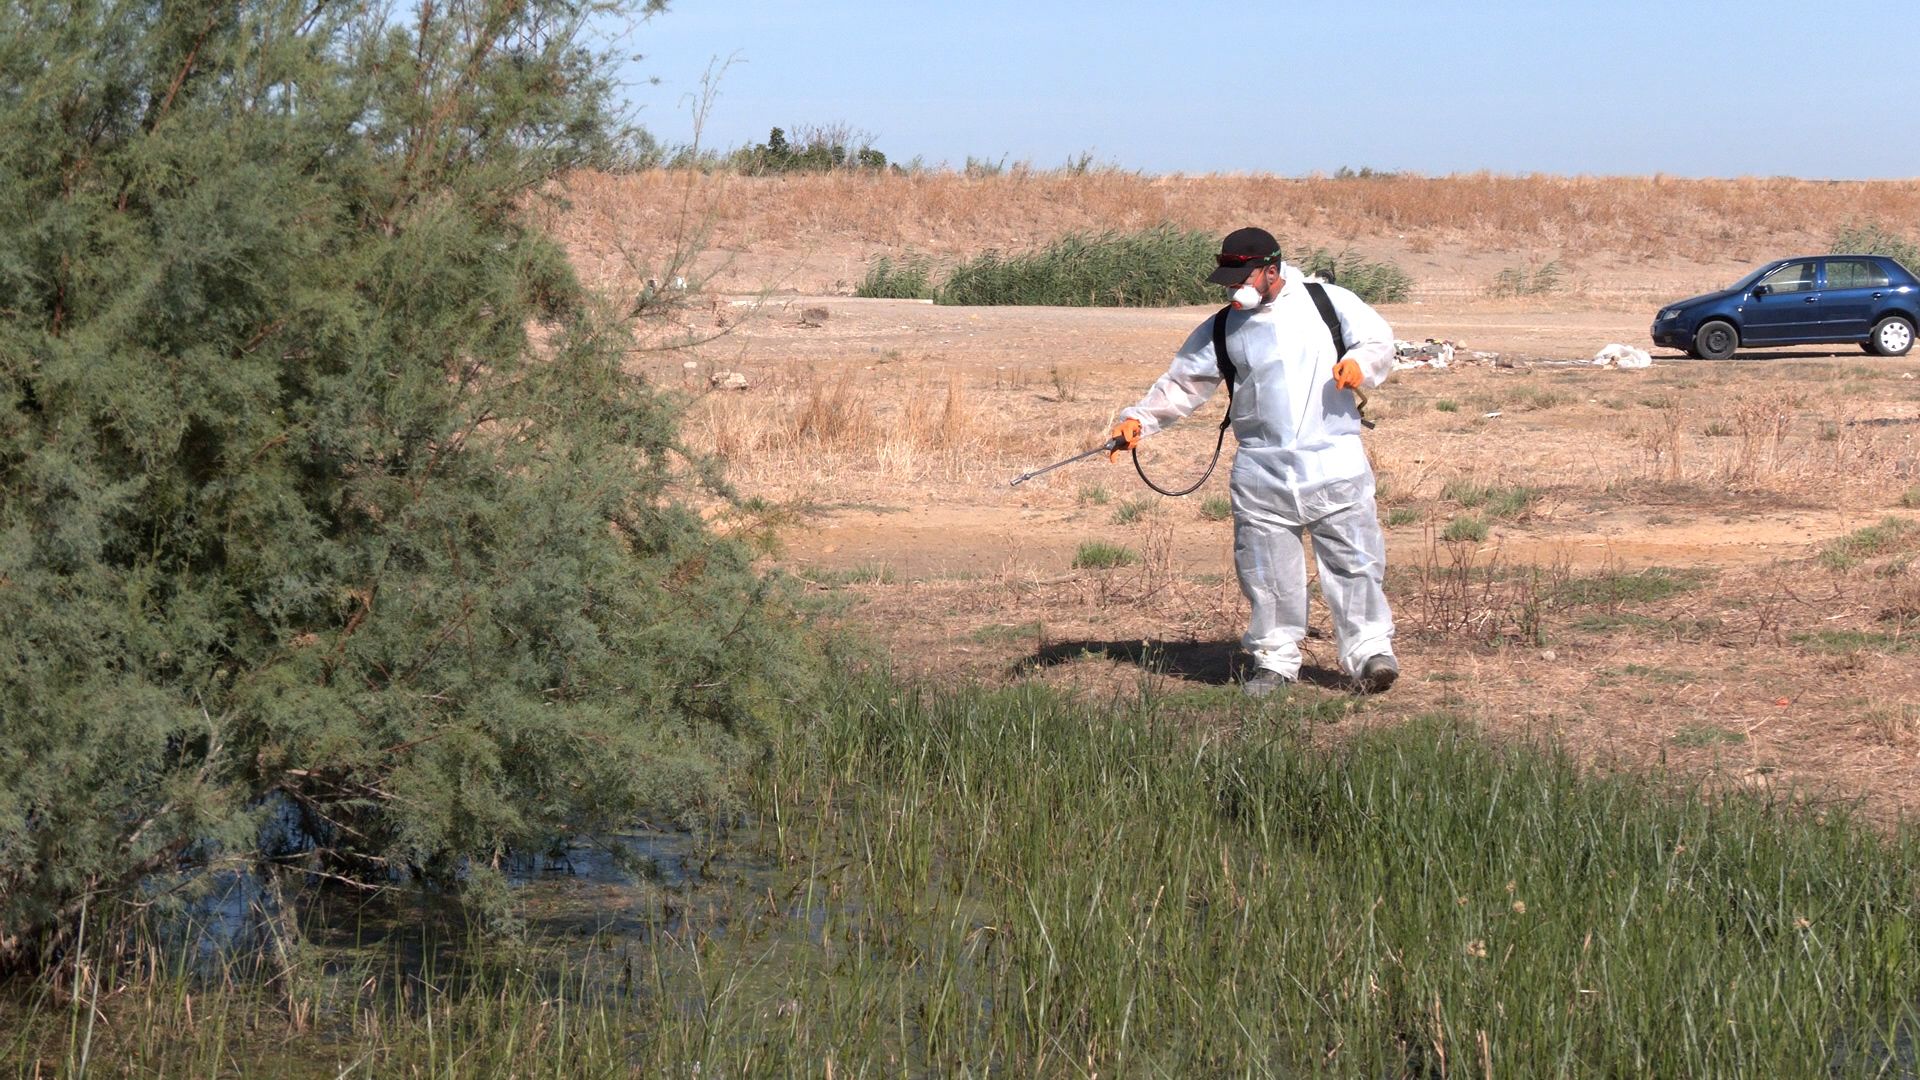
(1706, 565)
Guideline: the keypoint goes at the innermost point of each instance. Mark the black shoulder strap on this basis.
(1329, 316)
(1220, 357)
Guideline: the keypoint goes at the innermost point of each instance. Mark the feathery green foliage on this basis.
(295, 517)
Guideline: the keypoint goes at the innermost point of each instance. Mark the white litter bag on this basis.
(1623, 356)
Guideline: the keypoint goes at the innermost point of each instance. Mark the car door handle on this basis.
(1811, 300)
(1878, 295)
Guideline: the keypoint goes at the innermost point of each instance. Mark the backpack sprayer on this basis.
(1228, 373)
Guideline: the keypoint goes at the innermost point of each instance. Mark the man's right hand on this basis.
(1124, 436)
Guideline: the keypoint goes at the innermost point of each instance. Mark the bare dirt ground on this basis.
(1706, 565)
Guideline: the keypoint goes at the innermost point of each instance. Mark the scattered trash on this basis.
(1623, 357)
(1487, 357)
(1494, 415)
(727, 380)
(1431, 353)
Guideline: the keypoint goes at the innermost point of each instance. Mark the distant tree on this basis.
(297, 516)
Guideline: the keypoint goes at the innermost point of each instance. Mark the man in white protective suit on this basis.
(1300, 466)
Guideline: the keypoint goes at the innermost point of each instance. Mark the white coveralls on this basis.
(1300, 466)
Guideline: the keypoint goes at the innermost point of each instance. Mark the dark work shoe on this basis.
(1264, 682)
(1377, 674)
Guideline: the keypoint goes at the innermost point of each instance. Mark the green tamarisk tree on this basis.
(324, 495)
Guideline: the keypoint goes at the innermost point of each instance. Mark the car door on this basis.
(1853, 291)
(1783, 306)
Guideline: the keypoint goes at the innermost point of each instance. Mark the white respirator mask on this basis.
(1246, 298)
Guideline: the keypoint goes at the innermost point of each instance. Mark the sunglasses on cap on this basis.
(1245, 260)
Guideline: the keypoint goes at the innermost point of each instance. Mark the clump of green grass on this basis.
(1100, 555)
(1446, 405)
(1402, 515)
(1216, 508)
(1910, 498)
(1525, 281)
(1853, 641)
(1719, 429)
(1132, 510)
(1635, 587)
(1094, 494)
(1504, 503)
(909, 277)
(866, 574)
(1003, 632)
(1890, 535)
(1699, 735)
(1465, 527)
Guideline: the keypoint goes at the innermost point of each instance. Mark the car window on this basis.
(1855, 274)
(1793, 277)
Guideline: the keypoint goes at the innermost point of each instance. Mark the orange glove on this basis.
(1346, 375)
(1127, 432)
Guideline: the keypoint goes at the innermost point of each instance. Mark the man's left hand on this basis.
(1346, 375)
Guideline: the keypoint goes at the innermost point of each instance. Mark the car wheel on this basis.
(1892, 336)
(1716, 340)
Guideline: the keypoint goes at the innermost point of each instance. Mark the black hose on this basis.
(1145, 479)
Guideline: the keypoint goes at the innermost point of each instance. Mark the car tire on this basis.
(1892, 336)
(1716, 340)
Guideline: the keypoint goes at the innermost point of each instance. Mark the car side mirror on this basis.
(1762, 290)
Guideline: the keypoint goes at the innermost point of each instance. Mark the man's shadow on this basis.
(1210, 663)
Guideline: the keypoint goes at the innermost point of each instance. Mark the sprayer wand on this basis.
(1107, 447)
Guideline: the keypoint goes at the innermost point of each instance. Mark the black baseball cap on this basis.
(1240, 252)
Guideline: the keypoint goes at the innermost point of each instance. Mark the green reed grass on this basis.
(1014, 883)
(1052, 888)
(909, 277)
(1156, 267)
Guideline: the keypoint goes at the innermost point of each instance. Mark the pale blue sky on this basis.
(1763, 87)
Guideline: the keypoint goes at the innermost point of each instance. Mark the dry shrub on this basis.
(1771, 440)
(1761, 422)
(838, 429)
(1458, 593)
(1660, 443)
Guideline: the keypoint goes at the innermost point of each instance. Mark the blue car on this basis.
(1866, 300)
